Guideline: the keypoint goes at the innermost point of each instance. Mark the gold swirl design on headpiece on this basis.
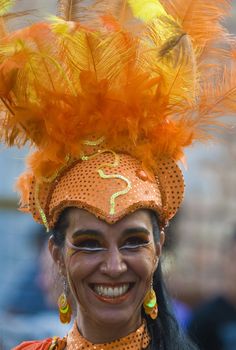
(116, 194)
(37, 189)
(95, 142)
(110, 165)
(39, 207)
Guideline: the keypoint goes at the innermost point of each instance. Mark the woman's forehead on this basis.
(82, 219)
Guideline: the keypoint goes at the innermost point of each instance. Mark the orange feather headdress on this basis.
(109, 94)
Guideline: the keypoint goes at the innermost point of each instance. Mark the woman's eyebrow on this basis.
(98, 234)
(83, 232)
(133, 230)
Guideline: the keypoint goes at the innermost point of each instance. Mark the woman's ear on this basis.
(160, 244)
(162, 237)
(57, 255)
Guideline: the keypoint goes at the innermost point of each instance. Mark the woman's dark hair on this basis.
(165, 332)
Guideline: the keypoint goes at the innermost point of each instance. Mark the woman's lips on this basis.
(113, 294)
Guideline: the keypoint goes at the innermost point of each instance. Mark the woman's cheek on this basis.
(145, 262)
(80, 265)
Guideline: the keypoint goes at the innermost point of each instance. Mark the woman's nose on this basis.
(113, 264)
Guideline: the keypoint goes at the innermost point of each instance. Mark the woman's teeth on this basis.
(111, 292)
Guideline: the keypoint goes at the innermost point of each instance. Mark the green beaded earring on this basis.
(150, 303)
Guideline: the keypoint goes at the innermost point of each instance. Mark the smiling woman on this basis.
(109, 269)
(109, 93)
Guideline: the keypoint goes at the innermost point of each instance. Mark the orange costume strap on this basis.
(46, 344)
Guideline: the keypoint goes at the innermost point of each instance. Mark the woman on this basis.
(109, 95)
(117, 265)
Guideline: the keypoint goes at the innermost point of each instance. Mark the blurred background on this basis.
(199, 260)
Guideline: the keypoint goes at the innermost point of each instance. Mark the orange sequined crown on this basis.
(109, 95)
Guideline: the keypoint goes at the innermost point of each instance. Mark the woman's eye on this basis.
(135, 242)
(88, 244)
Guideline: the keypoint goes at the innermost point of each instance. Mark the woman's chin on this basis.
(113, 318)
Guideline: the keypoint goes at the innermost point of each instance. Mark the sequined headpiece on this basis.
(109, 94)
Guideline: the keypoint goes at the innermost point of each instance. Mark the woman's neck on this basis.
(104, 333)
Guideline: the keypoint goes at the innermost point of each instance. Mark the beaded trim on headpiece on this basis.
(109, 94)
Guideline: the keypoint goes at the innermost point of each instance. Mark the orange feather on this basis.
(200, 19)
(149, 86)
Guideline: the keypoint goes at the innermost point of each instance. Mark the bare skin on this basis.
(109, 271)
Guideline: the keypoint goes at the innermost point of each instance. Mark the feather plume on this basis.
(139, 73)
(199, 18)
(68, 10)
(88, 12)
(126, 12)
(147, 10)
(5, 6)
(219, 95)
(10, 18)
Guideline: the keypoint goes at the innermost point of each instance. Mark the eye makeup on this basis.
(92, 241)
(135, 240)
(87, 242)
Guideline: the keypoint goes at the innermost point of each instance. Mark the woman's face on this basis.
(110, 267)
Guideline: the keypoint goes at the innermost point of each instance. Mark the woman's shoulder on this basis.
(46, 344)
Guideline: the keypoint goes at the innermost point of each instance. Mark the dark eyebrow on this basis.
(86, 231)
(98, 234)
(136, 230)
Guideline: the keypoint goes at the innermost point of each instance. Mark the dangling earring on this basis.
(64, 306)
(150, 303)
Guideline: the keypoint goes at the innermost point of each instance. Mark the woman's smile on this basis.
(112, 293)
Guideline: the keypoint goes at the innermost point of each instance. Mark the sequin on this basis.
(103, 175)
(137, 340)
(80, 185)
(142, 175)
